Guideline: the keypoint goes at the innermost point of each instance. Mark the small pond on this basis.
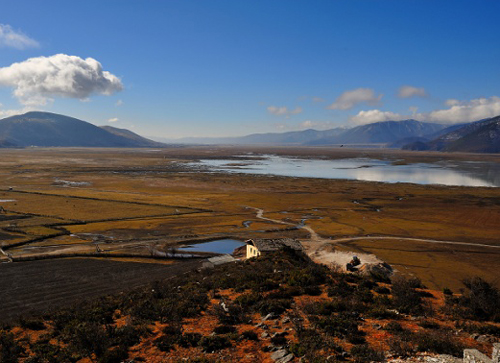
(217, 246)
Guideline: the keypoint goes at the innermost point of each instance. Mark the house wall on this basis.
(252, 251)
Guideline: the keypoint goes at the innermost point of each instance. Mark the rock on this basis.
(262, 326)
(279, 334)
(485, 339)
(285, 359)
(269, 316)
(279, 354)
(264, 335)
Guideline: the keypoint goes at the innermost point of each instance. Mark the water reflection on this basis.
(446, 173)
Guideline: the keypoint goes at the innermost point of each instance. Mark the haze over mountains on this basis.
(46, 129)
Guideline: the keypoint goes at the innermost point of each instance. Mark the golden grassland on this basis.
(139, 195)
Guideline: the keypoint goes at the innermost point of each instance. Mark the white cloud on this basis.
(465, 111)
(114, 119)
(318, 99)
(8, 113)
(349, 99)
(283, 111)
(12, 39)
(410, 91)
(119, 103)
(36, 80)
(371, 116)
(457, 112)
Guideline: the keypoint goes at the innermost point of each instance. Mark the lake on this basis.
(459, 173)
(218, 246)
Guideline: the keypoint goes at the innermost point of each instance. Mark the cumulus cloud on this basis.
(12, 39)
(283, 111)
(457, 112)
(349, 99)
(465, 111)
(36, 80)
(410, 91)
(114, 119)
(371, 116)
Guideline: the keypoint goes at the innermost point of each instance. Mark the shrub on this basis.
(10, 350)
(32, 323)
(273, 306)
(190, 340)
(393, 327)
(214, 343)
(87, 338)
(249, 300)
(400, 348)
(279, 340)
(447, 291)
(116, 355)
(405, 298)
(438, 343)
(341, 288)
(428, 324)
(172, 335)
(249, 335)
(224, 329)
(382, 290)
(363, 353)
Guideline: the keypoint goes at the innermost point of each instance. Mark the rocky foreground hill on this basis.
(281, 307)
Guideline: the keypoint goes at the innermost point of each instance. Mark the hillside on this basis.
(481, 136)
(279, 307)
(47, 129)
(139, 140)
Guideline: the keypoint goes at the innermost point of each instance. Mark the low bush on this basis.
(10, 350)
(429, 324)
(224, 329)
(249, 335)
(189, 340)
(363, 353)
(32, 323)
(382, 290)
(273, 306)
(439, 343)
(405, 298)
(214, 343)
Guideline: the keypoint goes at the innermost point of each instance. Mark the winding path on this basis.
(315, 242)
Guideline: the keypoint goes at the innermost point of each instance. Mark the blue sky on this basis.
(225, 68)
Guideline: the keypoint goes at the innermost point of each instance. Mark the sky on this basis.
(207, 68)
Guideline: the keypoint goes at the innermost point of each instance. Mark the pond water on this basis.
(460, 173)
(218, 246)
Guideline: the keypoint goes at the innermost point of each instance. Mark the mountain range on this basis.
(480, 137)
(47, 129)
(386, 132)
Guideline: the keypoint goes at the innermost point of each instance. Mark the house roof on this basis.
(275, 244)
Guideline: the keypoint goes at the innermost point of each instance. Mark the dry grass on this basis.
(143, 195)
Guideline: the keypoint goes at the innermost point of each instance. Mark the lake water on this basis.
(460, 173)
(218, 246)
